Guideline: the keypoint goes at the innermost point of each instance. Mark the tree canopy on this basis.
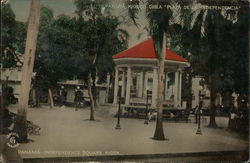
(66, 46)
(12, 36)
(55, 50)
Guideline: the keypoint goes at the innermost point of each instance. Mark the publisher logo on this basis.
(12, 140)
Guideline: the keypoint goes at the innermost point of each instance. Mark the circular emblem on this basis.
(12, 140)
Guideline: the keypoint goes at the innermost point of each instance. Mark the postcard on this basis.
(124, 81)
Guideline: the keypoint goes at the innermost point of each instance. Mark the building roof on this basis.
(146, 50)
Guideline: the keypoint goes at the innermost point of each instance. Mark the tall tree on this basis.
(101, 30)
(211, 43)
(92, 10)
(213, 27)
(27, 70)
(240, 57)
(46, 22)
(159, 27)
(159, 133)
(56, 45)
(159, 22)
(12, 38)
(204, 26)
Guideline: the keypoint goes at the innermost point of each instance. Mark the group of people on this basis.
(238, 120)
(78, 100)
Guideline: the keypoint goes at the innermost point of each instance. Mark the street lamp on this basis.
(146, 118)
(198, 132)
(118, 126)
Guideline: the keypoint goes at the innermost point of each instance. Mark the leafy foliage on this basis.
(158, 20)
(133, 10)
(218, 50)
(12, 36)
(102, 36)
(90, 8)
(54, 50)
(66, 47)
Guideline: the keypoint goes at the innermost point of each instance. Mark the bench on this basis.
(176, 114)
(137, 110)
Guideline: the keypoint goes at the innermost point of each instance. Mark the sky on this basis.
(67, 7)
(21, 9)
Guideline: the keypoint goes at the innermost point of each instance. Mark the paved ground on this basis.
(66, 132)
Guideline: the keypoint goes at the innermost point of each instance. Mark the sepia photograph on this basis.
(124, 81)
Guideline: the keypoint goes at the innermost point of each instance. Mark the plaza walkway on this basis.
(68, 133)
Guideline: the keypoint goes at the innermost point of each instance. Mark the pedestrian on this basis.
(233, 120)
(63, 96)
(78, 97)
(152, 115)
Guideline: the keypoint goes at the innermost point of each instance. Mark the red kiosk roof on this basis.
(146, 50)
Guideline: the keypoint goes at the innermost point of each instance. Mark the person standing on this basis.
(78, 97)
(63, 96)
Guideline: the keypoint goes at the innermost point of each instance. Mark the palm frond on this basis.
(133, 10)
(83, 7)
(139, 36)
(158, 20)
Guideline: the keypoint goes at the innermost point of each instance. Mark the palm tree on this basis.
(159, 23)
(27, 70)
(206, 23)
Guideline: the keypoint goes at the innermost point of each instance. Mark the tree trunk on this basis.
(33, 96)
(212, 122)
(1, 112)
(2, 107)
(27, 69)
(227, 99)
(37, 100)
(51, 98)
(190, 97)
(91, 98)
(159, 133)
(107, 88)
(92, 105)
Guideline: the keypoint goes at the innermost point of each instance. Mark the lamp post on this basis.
(118, 126)
(189, 81)
(198, 132)
(146, 117)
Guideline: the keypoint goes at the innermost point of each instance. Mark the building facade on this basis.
(12, 76)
